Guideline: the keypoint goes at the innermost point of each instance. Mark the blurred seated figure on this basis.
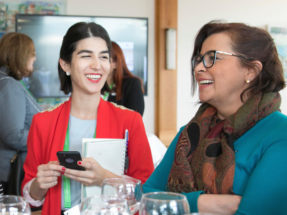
(17, 55)
(1, 189)
(126, 89)
(231, 157)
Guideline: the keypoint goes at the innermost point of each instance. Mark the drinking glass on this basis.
(99, 205)
(127, 188)
(163, 203)
(14, 205)
(202, 213)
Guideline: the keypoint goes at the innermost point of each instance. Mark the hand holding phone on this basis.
(69, 159)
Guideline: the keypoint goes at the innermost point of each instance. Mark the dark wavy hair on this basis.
(253, 43)
(75, 33)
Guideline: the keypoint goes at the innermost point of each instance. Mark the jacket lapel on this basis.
(61, 129)
(104, 122)
(58, 145)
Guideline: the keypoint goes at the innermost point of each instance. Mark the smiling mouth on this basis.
(206, 82)
(94, 77)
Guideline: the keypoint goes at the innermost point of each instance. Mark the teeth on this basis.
(206, 82)
(94, 77)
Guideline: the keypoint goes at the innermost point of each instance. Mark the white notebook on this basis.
(110, 153)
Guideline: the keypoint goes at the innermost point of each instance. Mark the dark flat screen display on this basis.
(47, 32)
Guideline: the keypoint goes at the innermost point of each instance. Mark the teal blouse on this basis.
(260, 169)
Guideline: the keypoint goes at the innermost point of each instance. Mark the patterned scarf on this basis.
(204, 156)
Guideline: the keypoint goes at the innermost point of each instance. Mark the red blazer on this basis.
(47, 135)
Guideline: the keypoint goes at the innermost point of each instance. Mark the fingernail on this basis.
(62, 173)
(79, 162)
(63, 168)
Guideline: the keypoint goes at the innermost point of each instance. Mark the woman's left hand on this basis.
(94, 174)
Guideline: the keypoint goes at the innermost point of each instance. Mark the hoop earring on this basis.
(68, 74)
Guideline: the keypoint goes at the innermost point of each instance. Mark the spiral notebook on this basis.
(110, 153)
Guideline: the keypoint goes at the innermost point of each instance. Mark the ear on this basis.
(253, 71)
(64, 65)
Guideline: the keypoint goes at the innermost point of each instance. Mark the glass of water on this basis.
(100, 205)
(164, 203)
(127, 188)
(202, 213)
(14, 205)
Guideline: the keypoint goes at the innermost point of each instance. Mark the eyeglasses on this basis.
(209, 58)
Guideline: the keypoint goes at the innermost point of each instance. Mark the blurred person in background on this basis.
(17, 55)
(126, 89)
(1, 189)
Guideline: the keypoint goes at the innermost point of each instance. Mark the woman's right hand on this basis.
(218, 203)
(47, 177)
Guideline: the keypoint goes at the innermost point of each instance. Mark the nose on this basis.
(95, 64)
(200, 67)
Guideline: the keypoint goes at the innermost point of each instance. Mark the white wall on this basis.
(193, 14)
(125, 8)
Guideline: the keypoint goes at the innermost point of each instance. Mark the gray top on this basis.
(17, 109)
(78, 129)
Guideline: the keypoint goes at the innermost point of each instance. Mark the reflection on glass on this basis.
(98, 205)
(202, 214)
(14, 205)
(163, 203)
(126, 188)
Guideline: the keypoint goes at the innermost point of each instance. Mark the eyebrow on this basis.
(105, 52)
(90, 52)
(84, 51)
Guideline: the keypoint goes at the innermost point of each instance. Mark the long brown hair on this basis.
(253, 43)
(121, 71)
(15, 51)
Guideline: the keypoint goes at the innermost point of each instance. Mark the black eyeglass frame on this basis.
(215, 52)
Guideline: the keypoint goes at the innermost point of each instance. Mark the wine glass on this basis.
(100, 205)
(163, 203)
(14, 205)
(127, 188)
(202, 213)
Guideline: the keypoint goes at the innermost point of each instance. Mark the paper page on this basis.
(109, 153)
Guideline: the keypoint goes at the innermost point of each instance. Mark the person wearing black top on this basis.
(126, 89)
(1, 189)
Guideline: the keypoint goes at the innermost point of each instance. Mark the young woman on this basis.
(127, 89)
(230, 158)
(17, 56)
(84, 66)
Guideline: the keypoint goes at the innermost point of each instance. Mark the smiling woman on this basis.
(83, 67)
(221, 86)
(229, 158)
(90, 66)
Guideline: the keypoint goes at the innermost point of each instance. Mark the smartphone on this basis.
(69, 159)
